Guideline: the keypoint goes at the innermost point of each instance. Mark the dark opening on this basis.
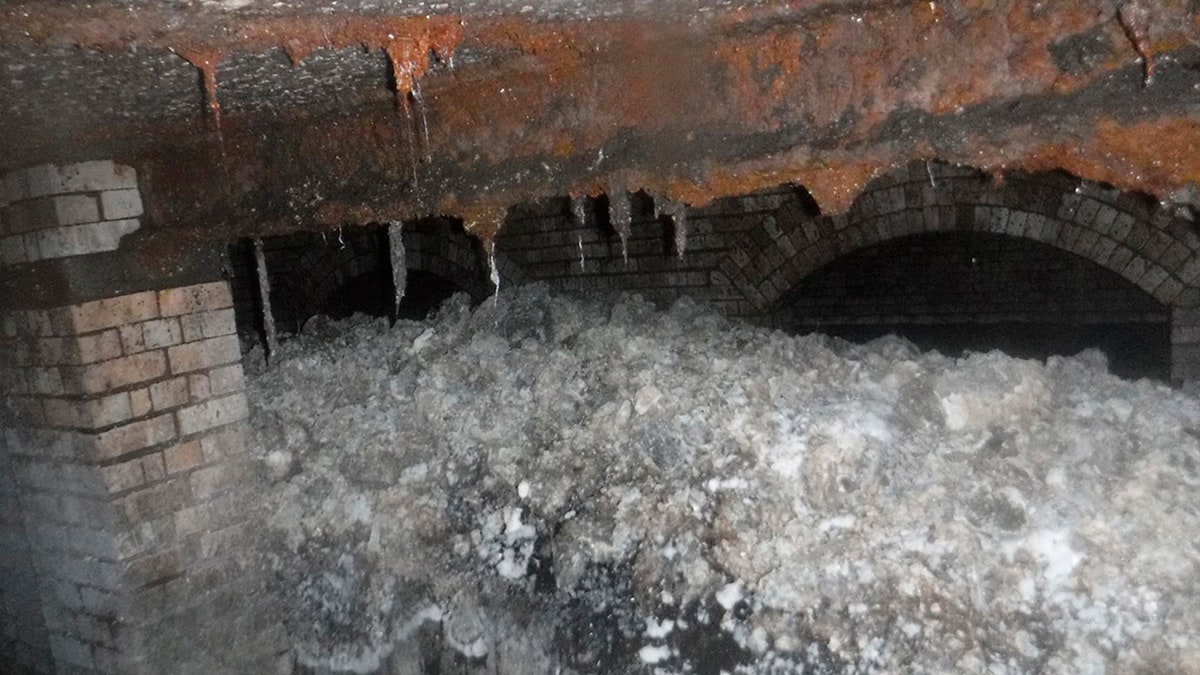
(965, 291)
(337, 275)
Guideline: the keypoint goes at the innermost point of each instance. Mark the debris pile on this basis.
(548, 484)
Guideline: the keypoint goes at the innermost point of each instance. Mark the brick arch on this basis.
(438, 246)
(1120, 232)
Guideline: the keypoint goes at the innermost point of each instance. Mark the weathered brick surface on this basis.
(136, 480)
(214, 413)
(195, 299)
(204, 354)
(135, 436)
(119, 311)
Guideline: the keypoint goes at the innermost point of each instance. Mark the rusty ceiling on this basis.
(248, 116)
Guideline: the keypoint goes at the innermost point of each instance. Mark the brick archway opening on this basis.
(972, 291)
(348, 271)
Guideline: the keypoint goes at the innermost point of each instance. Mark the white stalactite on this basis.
(678, 213)
(493, 272)
(399, 265)
(579, 209)
(620, 215)
(264, 294)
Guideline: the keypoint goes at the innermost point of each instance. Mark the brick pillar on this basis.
(125, 440)
(23, 643)
(1185, 346)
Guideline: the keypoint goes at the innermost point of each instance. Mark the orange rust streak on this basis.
(207, 61)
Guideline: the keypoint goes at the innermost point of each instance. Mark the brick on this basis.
(1168, 290)
(135, 436)
(95, 176)
(210, 324)
(52, 351)
(232, 379)
(192, 519)
(132, 339)
(144, 536)
(29, 216)
(184, 456)
(76, 209)
(193, 299)
(1185, 335)
(93, 414)
(27, 410)
(44, 381)
(212, 413)
(120, 204)
(139, 402)
(225, 443)
(193, 356)
(162, 333)
(154, 568)
(35, 322)
(123, 477)
(98, 347)
(154, 467)
(92, 542)
(14, 187)
(12, 381)
(111, 312)
(12, 250)
(32, 252)
(210, 481)
(200, 387)
(63, 242)
(169, 394)
(42, 180)
(106, 376)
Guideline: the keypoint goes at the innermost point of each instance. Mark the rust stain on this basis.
(571, 107)
(207, 61)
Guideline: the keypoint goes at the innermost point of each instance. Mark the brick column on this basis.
(1185, 346)
(125, 440)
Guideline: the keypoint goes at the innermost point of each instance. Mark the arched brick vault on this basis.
(306, 269)
(1118, 231)
(1124, 233)
(438, 246)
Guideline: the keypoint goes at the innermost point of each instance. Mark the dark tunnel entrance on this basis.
(970, 291)
(339, 274)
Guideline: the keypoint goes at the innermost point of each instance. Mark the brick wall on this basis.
(963, 277)
(126, 440)
(548, 244)
(1185, 345)
(24, 647)
(1119, 232)
(306, 269)
(49, 212)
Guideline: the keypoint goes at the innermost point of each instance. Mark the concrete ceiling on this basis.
(320, 112)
